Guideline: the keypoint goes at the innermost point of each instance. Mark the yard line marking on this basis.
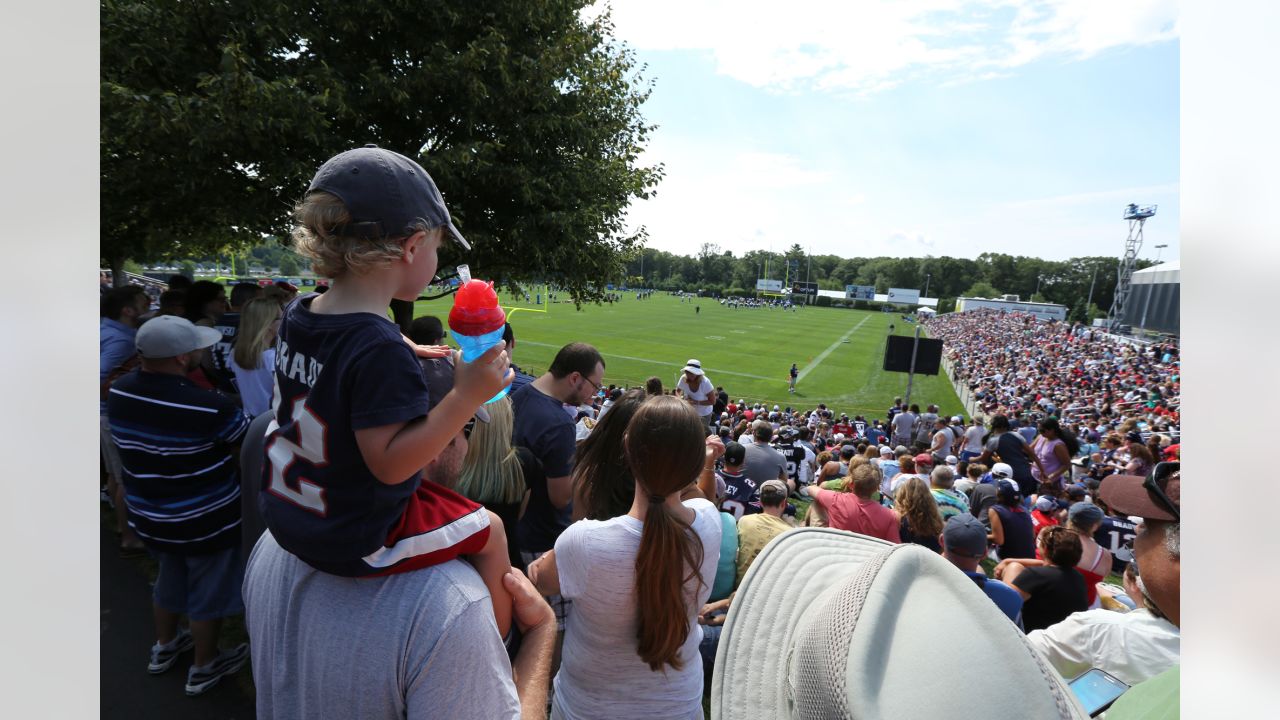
(823, 356)
(710, 370)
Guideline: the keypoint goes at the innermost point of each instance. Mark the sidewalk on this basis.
(128, 691)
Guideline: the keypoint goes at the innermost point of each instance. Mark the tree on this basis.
(982, 289)
(188, 269)
(288, 265)
(215, 116)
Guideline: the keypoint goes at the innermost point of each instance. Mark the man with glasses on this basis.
(1157, 551)
(542, 426)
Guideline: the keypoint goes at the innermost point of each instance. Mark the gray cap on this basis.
(964, 534)
(438, 373)
(1084, 514)
(385, 192)
(166, 336)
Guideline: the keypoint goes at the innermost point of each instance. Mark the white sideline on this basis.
(823, 356)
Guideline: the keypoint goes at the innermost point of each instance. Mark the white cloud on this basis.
(871, 45)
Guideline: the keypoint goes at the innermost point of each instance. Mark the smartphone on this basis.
(1096, 690)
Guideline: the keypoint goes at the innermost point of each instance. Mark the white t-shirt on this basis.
(256, 386)
(703, 392)
(601, 673)
(973, 439)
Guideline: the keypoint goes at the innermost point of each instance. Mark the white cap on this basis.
(1002, 470)
(167, 336)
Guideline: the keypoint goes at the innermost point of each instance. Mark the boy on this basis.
(342, 478)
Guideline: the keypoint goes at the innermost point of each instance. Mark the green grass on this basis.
(748, 352)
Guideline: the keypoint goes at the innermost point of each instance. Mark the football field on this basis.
(747, 351)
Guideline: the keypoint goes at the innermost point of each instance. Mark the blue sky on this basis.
(909, 128)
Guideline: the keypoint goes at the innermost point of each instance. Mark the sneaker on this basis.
(227, 663)
(163, 656)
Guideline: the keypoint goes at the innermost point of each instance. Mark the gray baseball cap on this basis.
(964, 534)
(385, 192)
(167, 336)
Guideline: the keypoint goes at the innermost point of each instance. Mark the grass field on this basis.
(748, 352)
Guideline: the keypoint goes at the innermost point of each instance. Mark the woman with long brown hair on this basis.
(920, 521)
(603, 487)
(638, 580)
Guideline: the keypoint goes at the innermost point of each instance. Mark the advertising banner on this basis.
(769, 285)
(904, 296)
(803, 288)
(860, 292)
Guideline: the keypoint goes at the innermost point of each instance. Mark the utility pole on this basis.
(1089, 303)
(926, 284)
(911, 374)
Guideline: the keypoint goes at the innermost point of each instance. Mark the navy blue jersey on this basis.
(336, 374)
(741, 495)
(176, 441)
(860, 428)
(793, 455)
(1112, 534)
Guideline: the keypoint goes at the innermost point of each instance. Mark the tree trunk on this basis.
(118, 278)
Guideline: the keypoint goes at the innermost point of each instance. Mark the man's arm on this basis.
(707, 478)
(531, 669)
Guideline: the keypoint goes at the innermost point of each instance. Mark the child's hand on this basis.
(481, 379)
(428, 351)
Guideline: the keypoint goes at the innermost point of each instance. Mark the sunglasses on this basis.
(1156, 482)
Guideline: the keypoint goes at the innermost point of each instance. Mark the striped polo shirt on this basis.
(181, 478)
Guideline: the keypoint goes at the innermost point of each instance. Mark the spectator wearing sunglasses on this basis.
(1157, 551)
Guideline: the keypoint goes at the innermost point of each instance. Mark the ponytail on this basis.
(665, 447)
(666, 545)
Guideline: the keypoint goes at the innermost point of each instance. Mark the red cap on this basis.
(924, 459)
(475, 309)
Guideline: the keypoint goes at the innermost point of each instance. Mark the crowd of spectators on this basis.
(576, 547)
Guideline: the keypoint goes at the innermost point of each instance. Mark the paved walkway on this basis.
(128, 691)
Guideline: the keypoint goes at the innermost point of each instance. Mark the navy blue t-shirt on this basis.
(336, 374)
(542, 426)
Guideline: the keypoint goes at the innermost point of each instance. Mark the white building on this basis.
(1044, 311)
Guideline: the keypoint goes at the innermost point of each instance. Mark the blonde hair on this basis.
(915, 502)
(254, 336)
(491, 472)
(318, 215)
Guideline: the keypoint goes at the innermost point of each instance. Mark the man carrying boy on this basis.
(354, 424)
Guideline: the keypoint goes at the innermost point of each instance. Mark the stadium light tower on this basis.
(1137, 217)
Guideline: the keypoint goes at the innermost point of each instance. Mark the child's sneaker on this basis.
(163, 656)
(227, 663)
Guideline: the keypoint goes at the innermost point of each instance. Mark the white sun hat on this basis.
(832, 624)
(693, 366)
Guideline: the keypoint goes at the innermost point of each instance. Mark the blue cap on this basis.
(385, 193)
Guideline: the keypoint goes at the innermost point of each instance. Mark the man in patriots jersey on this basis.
(740, 493)
(860, 427)
(355, 422)
(792, 453)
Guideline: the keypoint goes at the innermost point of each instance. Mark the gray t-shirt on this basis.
(601, 674)
(973, 438)
(763, 463)
(421, 644)
(902, 424)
